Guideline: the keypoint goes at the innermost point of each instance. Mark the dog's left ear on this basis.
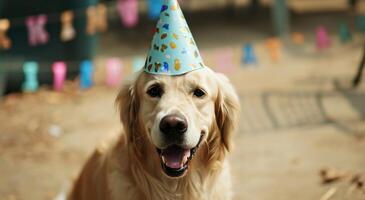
(227, 110)
(128, 106)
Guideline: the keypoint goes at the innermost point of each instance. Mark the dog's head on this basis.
(175, 115)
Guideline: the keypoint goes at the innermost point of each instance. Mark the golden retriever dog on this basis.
(177, 132)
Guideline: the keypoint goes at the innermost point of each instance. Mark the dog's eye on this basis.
(199, 93)
(155, 91)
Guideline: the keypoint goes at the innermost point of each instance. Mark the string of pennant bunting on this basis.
(113, 70)
(224, 60)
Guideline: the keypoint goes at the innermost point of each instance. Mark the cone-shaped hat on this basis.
(173, 50)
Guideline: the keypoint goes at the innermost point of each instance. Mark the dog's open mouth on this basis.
(175, 159)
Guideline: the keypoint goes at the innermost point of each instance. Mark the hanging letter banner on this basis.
(30, 83)
(68, 31)
(113, 72)
(5, 42)
(128, 12)
(59, 74)
(37, 33)
(96, 19)
(86, 74)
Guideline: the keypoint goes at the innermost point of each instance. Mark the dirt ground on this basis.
(298, 117)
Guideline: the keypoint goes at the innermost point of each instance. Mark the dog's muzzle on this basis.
(175, 159)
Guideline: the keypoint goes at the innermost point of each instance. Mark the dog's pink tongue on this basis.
(175, 157)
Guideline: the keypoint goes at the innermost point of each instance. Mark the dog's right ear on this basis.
(227, 110)
(128, 106)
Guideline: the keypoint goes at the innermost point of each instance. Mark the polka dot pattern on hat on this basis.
(173, 50)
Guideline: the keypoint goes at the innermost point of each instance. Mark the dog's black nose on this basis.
(174, 124)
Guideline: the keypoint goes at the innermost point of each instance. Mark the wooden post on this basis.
(280, 18)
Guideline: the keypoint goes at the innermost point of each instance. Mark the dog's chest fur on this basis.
(127, 181)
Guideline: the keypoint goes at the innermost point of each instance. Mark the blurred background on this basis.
(296, 65)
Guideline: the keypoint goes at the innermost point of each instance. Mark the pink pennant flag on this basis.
(128, 12)
(113, 72)
(224, 60)
(323, 40)
(59, 75)
(37, 33)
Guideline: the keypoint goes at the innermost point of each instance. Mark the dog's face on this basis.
(177, 114)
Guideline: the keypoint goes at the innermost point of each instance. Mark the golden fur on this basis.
(129, 169)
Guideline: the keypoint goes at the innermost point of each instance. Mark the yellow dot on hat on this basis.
(175, 36)
(177, 64)
(172, 45)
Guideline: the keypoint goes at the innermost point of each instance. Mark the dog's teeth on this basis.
(185, 159)
(163, 159)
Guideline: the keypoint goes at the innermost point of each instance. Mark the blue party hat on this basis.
(173, 49)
